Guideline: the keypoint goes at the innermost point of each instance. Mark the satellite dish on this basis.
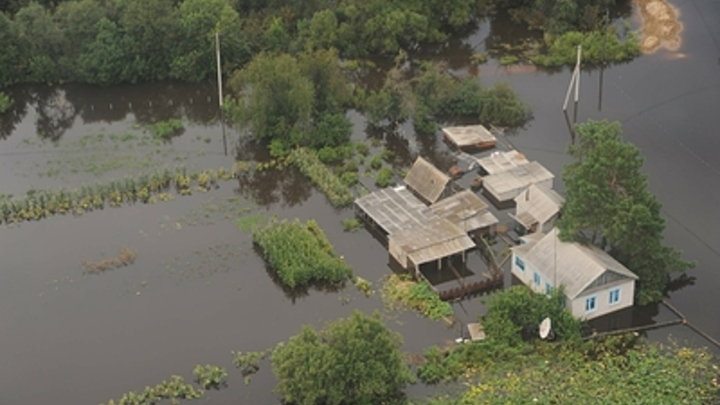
(545, 326)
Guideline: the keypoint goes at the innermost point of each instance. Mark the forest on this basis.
(128, 41)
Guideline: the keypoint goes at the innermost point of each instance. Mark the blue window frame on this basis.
(520, 263)
(548, 288)
(536, 278)
(590, 303)
(614, 296)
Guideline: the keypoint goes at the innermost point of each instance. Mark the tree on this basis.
(102, 61)
(40, 42)
(608, 204)
(78, 24)
(355, 360)
(11, 53)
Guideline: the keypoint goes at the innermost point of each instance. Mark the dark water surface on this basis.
(198, 291)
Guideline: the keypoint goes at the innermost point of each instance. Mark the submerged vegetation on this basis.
(173, 390)
(301, 253)
(307, 161)
(209, 376)
(125, 258)
(597, 48)
(415, 295)
(249, 362)
(167, 129)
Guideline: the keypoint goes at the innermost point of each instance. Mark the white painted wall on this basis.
(603, 306)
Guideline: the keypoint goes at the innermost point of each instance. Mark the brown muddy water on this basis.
(197, 290)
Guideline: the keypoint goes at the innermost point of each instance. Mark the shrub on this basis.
(349, 179)
(509, 60)
(384, 178)
(168, 129)
(387, 155)
(351, 224)
(416, 295)
(248, 363)
(500, 105)
(596, 48)
(362, 148)
(328, 155)
(173, 390)
(300, 253)
(376, 162)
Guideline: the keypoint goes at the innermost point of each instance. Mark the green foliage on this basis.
(556, 16)
(597, 47)
(384, 177)
(362, 148)
(351, 224)
(173, 390)
(501, 106)
(605, 372)
(5, 102)
(387, 155)
(509, 60)
(308, 162)
(364, 286)
(167, 129)
(250, 222)
(209, 376)
(376, 162)
(249, 362)
(332, 130)
(300, 253)
(608, 203)
(511, 310)
(349, 179)
(351, 361)
(416, 295)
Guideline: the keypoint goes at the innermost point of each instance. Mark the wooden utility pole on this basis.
(220, 95)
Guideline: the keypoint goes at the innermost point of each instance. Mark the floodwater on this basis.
(198, 291)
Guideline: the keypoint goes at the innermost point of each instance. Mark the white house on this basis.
(537, 208)
(595, 283)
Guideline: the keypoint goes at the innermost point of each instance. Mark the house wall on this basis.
(548, 226)
(528, 276)
(602, 294)
(398, 253)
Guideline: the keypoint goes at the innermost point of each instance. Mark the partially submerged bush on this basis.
(351, 224)
(168, 129)
(300, 253)
(173, 390)
(384, 177)
(415, 295)
(597, 47)
(209, 376)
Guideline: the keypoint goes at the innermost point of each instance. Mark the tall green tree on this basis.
(608, 203)
(10, 54)
(78, 25)
(352, 361)
(40, 41)
(103, 60)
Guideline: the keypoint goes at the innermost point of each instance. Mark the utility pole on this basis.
(220, 95)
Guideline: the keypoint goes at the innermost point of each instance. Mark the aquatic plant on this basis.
(309, 164)
(125, 258)
(417, 295)
(351, 224)
(173, 390)
(249, 362)
(209, 376)
(384, 178)
(167, 129)
(300, 253)
(364, 286)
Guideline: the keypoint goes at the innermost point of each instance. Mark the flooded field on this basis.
(196, 290)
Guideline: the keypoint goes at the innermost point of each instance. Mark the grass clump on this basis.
(168, 129)
(384, 178)
(173, 390)
(416, 295)
(5, 102)
(300, 253)
(308, 162)
(125, 258)
(209, 376)
(351, 224)
(362, 148)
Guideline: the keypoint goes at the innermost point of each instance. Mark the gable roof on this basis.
(395, 209)
(516, 179)
(469, 135)
(543, 203)
(501, 161)
(426, 180)
(570, 264)
(430, 241)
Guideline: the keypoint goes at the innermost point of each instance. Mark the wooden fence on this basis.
(472, 288)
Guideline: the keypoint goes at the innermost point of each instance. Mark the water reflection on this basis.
(57, 107)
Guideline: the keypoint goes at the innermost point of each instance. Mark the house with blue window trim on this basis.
(595, 284)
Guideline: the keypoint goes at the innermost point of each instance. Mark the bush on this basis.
(349, 179)
(501, 106)
(416, 295)
(512, 310)
(384, 178)
(351, 224)
(362, 149)
(376, 162)
(387, 155)
(328, 155)
(300, 253)
(167, 129)
(210, 376)
(596, 48)
(5, 102)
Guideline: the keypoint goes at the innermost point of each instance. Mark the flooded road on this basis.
(198, 291)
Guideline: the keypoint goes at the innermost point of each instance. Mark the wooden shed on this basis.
(469, 137)
(427, 181)
(467, 211)
(506, 185)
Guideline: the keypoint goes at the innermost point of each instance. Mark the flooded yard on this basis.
(197, 290)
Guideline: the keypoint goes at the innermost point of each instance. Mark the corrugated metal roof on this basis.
(395, 209)
(516, 179)
(469, 135)
(426, 180)
(543, 202)
(502, 161)
(432, 240)
(466, 210)
(572, 265)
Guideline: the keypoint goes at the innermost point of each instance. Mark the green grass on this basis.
(415, 295)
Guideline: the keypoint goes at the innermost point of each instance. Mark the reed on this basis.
(125, 258)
